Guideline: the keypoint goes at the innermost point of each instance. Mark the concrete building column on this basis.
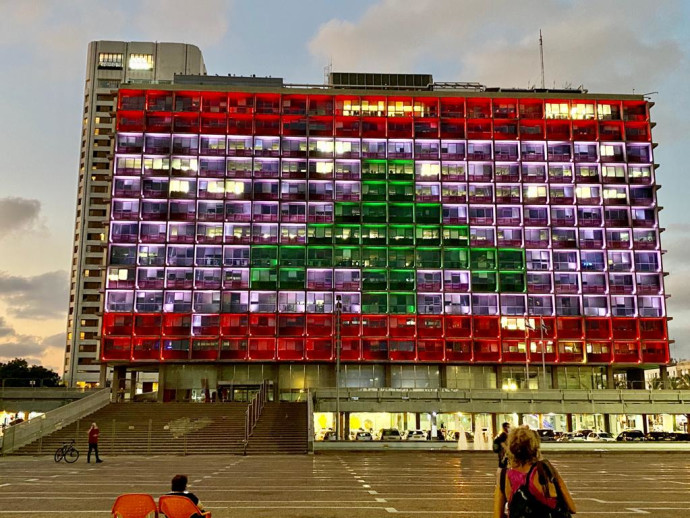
(161, 383)
(663, 374)
(132, 384)
(645, 424)
(119, 378)
(103, 376)
(417, 421)
(499, 377)
(443, 376)
(554, 377)
(607, 423)
(346, 425)
(570, 422)
(495, 425)
(609, 377)
(388, 375)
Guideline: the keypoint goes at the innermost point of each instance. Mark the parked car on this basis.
(580, 436)
(583, 433)
(390, 434)
(601, 437)
(658, 436)
(363, 436)
(546, 435)
(630, 435)
(680, 436)
(565, 437)
(330, 436)
(416, 435)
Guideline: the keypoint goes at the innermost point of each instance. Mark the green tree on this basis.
(18, 373)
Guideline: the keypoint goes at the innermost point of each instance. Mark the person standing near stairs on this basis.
(94, 432)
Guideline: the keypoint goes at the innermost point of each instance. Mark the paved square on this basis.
(341, 485)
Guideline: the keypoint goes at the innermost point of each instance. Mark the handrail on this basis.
(24, 433)
(253, 412)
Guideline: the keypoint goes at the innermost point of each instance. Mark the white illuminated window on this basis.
(179, 186)
(234, 187)
(140, 62)
(582, 111)
(109, 60)
(604, 111)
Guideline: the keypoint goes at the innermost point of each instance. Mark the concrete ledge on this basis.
(560, 447)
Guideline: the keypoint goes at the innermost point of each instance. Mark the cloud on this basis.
(40, 296)
(17, 215)
(36, 350)
(502, 49)
(171, 20)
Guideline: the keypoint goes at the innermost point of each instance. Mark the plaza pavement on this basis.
(340, 485)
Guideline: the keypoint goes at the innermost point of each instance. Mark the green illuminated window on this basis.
(402, 303)
(484, 282)
(400, 191)
(428, 235)
(348, 213)
(373, 191)
(401, 234)
(292, 256)
(400, 170)
(374, 257)
(428, 213)
(375, 303)
(348, 234)
(512, 282)
(291, 279)
(319, 256)
(319, 234)
(374, 280)
(402, 279)
(374, 234)
(455, 236)
(401, 257)
(509, 260)
(401, 213)
(483, 258)
(347, 256)
(428, 257)
(374, 213)
(263, 279)
(264, 256)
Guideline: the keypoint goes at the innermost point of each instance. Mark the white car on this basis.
(363, 436)
(390, 434)
(600, 437)
(416, 435)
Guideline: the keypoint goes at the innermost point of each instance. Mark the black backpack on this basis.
(525, 505)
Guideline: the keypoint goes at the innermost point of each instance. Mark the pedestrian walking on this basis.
(94, 432)
(499, 445)
(530, 486)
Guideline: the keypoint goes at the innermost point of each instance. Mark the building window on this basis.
(109, 60)
(139, 62)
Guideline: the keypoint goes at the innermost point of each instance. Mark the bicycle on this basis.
(67, 452)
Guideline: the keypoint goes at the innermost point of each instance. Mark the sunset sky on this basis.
(621, 46)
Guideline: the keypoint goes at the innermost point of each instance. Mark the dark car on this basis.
(546, 435)
(680, 436)
(630, 435)
(658, 436)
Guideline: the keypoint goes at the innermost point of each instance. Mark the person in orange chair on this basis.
(179, 488)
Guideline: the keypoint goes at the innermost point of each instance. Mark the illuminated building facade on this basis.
(467, 231)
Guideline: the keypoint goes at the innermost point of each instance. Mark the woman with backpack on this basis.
(530, 486)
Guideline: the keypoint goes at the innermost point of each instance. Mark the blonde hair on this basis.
(523, 446)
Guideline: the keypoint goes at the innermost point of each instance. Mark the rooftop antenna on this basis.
(541, 55)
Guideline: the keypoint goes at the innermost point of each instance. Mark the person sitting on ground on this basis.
(530, 484)
(179, 488)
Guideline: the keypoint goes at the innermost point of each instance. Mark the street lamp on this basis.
(338, 312)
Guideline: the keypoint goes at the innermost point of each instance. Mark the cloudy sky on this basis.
(620, 46)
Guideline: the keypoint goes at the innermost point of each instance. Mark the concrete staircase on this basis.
(282, 429)
(183, 429)
(175, 429)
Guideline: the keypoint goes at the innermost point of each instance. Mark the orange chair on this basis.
(135, 505)
(174, 506)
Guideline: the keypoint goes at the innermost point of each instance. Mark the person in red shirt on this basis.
(94, 432)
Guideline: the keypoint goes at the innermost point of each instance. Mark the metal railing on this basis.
(253, 413)
(29, 431)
